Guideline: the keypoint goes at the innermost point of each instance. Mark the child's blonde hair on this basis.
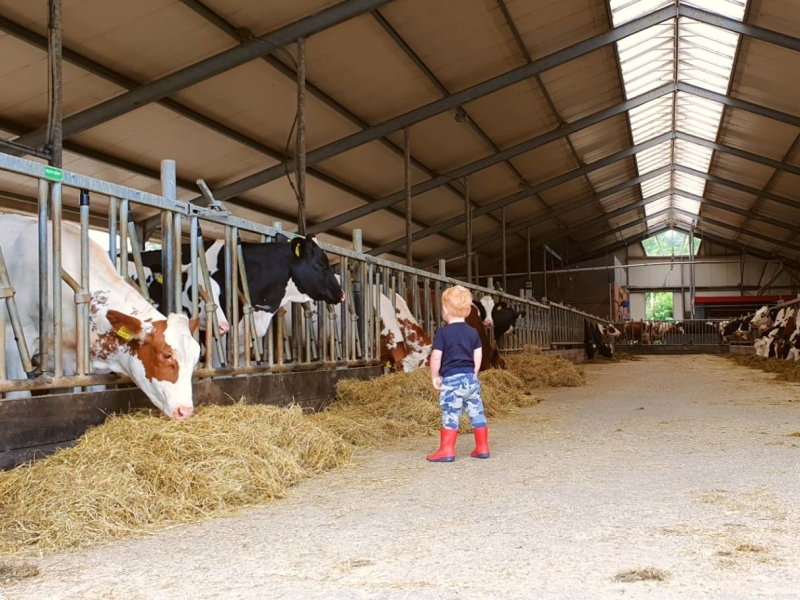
(458, 301)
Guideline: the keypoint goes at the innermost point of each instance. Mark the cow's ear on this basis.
(125, 326)
(298, 246)
(281, 238)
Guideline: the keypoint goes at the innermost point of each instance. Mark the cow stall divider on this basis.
(310, 336)
(688, 332)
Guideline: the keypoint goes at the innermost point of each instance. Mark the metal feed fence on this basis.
(689, 332)
(300, 337)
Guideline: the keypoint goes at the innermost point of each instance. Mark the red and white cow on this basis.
(127, 335)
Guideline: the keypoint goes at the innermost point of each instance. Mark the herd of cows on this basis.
(131, 337)
(775, 331)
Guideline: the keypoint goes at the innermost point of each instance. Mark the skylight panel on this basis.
(656, 206)
(698, 116)
(688, 183)
(692, 156)
(654, 186)
(623, 11)
(651, 119)
(653, 223)
(705, 55)
(733, 9)
(654, 158)
(686, 204)
(647, 58)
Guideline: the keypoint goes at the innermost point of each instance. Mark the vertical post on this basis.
(528, 245)
(300, 154)
(193, 240)
(44, 282)
(123, 238)
(54, 87)
(544, 273)
(83, 348)
(691, 273)
(477, 268)
(177, 261)
(56, 280)
(468, 228)
(442, 267)
(407, 184)
(230, 291)
(505, 266)
(169, 189)
(113, 228)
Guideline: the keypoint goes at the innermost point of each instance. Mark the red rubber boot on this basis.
(447, 446)
(481, 443)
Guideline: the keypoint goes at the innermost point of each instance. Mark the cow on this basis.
(128, 336)
(609, 332)
(593, 341)
(777, 340)
(499, 315)
(418, 343)
(154, 281)
(491, 357)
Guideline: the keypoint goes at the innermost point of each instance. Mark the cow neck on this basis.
(268, 269)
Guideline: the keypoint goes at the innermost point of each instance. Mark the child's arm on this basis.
(436, 363)
(477, 357)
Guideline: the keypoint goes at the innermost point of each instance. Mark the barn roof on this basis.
(583, 124)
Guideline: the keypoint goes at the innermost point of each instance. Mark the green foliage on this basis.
(669, 243)
(658, 306)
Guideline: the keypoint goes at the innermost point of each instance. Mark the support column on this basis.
(468, 228)
(544, 271)
(300, 154)
(54, 87)
(407, 184)
(505, 266)
(169, 189)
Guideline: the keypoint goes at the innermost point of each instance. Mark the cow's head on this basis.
(159, 356)
(312, 273)
(488, 306)
(762, 317)
(222, 320)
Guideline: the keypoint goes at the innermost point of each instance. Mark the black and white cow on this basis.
(278, 273)
(499, 315)
(593, 341)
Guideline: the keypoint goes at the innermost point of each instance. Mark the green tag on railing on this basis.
(53, 173)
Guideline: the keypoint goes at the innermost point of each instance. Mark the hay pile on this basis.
(785, 370)
(399, 405)
(538, 370)
(138, 473)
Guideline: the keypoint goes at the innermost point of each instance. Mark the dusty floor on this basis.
(682, 464)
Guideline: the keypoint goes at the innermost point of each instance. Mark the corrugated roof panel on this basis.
(620, 199)
(786, 185)
(741, 171)
(523, 210)
(657, 205)
(660, 220)
(605, 138)
(567, 192)
(721, 193)
(616, 173)
(493, 183)
(463, 42)
(778, 15)
(756, 134)
(365, 70)
(763, 76)
(723, 216)
(585, 85)
(589, 211)
(778, 233)
(545, 162)
(513, 114)
(733, 9)
(547, 26)
(768, 208)
(259, 18)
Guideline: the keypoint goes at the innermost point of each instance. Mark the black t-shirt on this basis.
(457, 341)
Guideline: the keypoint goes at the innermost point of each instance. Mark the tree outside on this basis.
(658, 306)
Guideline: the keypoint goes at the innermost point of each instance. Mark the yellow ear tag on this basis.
(160, 278)
(297, 250)
(124, 333)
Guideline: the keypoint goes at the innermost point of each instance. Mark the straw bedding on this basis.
(538, 370)
(785, 370)
(139, 473)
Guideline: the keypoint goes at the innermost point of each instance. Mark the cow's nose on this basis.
(489, 323)
(182, 412)
(344, 296)
(224, 328)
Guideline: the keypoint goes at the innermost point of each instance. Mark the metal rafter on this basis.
(453, 101)
(207, 68)
(243, 35)
(121, 80)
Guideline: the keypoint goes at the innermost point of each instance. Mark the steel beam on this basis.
(546, 185)
(207, 68)
(756, 158)
(739, 186)
(752, 234)
(735, 210)
(758, 33)
(453, 101)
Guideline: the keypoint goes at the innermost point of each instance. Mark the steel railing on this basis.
(297, 338)
(670, 333)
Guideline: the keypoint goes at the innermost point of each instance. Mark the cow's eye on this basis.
(167, 356)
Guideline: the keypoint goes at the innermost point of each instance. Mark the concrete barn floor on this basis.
(682, 464)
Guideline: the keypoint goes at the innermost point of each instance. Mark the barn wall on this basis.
(31, 427)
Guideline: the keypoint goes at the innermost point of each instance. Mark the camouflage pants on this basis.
(462, 390)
